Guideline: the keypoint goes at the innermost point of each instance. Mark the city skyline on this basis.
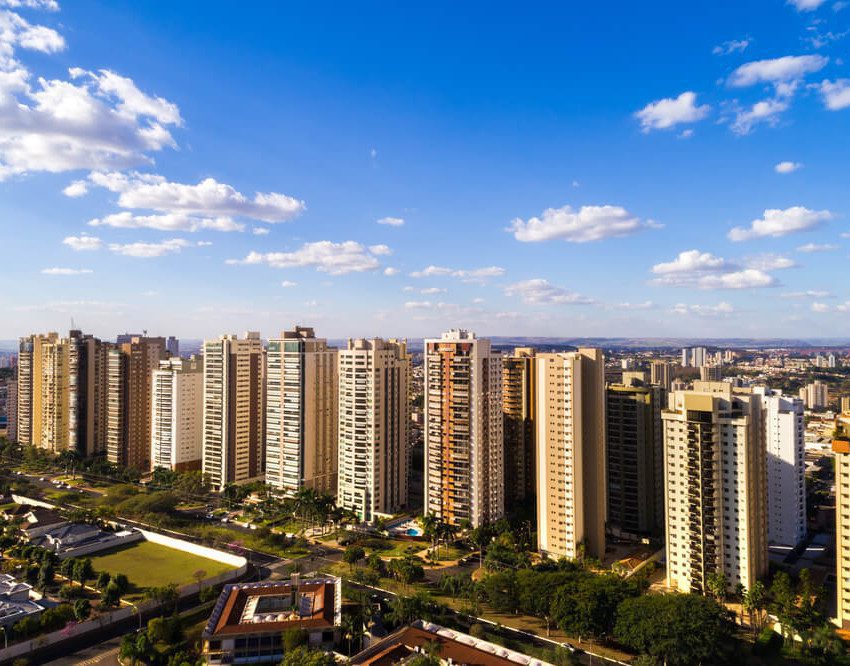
(569, 177)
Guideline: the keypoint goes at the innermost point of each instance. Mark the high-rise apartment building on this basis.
(841, 449)
(373, 460)
(786, 467)
(234, 414)
(635, 456)
(301, 412)
(845, 404)
(661, 374)
(571, 479)
(30, 387)
(464, 429)
(129, 366)
(714, 487)
(694, 357)
(12, 408)
(815, 395)
(518, 405)
(177, 408)
(711, 373)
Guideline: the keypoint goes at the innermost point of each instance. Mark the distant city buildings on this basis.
(661, 374)
(372, 428)
(571, 481)
(714, 487)
(815, 395)
(518, 407)
(694, 357)
(177, 407)
(234, 381)
(464, 429)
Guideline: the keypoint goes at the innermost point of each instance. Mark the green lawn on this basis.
(149, 564)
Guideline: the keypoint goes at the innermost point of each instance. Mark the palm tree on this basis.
(448, 532)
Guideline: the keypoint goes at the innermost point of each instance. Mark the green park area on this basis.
(149, 564)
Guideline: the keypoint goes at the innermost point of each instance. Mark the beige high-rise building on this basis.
(30, 387)
(815, 395)
(518, 405)
(177, 410)
(571, 478)
(661, 374)
(464, 429)
(845, 404)
(373, 450)
(128, 412)
(715, 482)
(301, 412)
(234, 414)
(841, 450)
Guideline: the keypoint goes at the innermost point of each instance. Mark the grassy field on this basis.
(149, 564)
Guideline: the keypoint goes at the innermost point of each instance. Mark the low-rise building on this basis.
(15, 602)
(77, 539)
(249, 619)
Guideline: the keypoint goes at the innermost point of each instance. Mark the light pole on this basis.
(138, 612)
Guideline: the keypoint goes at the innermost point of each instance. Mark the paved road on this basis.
(104, 654)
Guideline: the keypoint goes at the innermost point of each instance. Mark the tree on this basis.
(754, 602)
(83, 571)
(501, 591)
(352, 555)
(537, 590)
(122, 582)
(165, 595)
(405, 609)
(45, 576)
(590, 608)
(102, 581)
(302, 656)
(110, 597)
(678, 629)
(293, 638)
(82, 609)
(717, 585)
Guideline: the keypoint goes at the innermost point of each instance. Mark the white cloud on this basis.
(704, 270)
(645, 305)
(166, 222)
(48, 5)
(816, 247)
(541, 292)
(811, 293)
(149, 250)
(770, 262)
(260, 231)
(132, 102)
(76, 189)
(467, 275)
(81, 243)
(392, 221)
(731, 46)
(418, 305)
(590, 223)
(286, 284)
(820, 307)
(668, 112)
(722, 309)
(206, 198)
(389, 271)
(324, 256)
(787, 167)
(778, 222)
(836, 94)
(380, 250)
(805, 5)
(66, 271)
(784, 70)
(428, 291)
(766, 111)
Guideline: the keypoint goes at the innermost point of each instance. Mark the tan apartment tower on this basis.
(715, 487)
(464, 429)
(571, 480)
(30, 387)
(841, 449)
(177, 409)
(234, 415)
(518, 405)
(373, 455)
(301, 412)
(661, 374)
(130, 364)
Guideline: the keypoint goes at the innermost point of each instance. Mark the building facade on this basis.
(661, 374)
(715, 487)
(177, 408)
(841, 450)
(301, 413)
(518, 406)
(571, 478)
(463, 430)
(234, 414)
(815, 395)
(373, 455)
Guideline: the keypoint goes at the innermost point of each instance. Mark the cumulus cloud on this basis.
(324, 256)
(769, 262)
(777, 222)
(418, 305)
(541, 292)
(805, 5)
(166, 222)
(286, 284)
(810, 293)
(66, 271)
(392, 221)
(784, 70)
(260, 231)
(589, 223)
(645, 305)
(76, 189)
(208, 198)
(380, 250)
(48, 5)
(722, 309)
(816, 247)
(835, 94)
(704, 270)
(767, 112)
(787, 167)
(820, 307)
(83, 243)
(731, 46)
(149, 250)
(669, 112)
(467, 275)
(389, 271)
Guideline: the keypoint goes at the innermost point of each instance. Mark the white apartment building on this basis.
(301, 412)
(815, 395)
(177, 405)
(571, 451)
(373, 411)
(714, 487)
(786, 489)
(464, 429)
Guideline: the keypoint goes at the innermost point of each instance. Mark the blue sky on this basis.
(617, 170)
